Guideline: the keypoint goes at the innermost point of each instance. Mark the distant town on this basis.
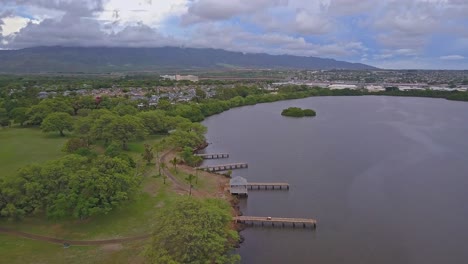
(182, 88)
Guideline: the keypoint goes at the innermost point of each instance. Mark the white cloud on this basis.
(215, 10)
(391, 32)
(148, 12)
(452, 57)
(311, 24)
(14, 24)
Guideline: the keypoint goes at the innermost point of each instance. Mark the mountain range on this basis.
(110, 59)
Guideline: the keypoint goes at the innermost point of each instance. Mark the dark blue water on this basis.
(386, 178)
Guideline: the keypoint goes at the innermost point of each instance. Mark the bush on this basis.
(113, 150)
(74, 144)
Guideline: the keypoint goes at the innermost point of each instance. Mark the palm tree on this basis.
(196, 175)
(190, 179)
(162, 165)
(174, 162)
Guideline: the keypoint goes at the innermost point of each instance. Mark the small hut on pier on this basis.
(238, 185)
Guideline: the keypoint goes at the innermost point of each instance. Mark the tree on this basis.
(155, 122)
(159, 147)
(148, 154)
(57, 122)
(193, 231)
(47, 106)
(74, 144)
(83, 128)
(126, 128)
(82, 102)
(20, 115)
(4, 120)
(72, 186)
(113, 150)
(174, 162)
(199, 94)
(189, 111)
(125, 109)
(101, 126)
(189, 158)
(190, 179)
(163, 167)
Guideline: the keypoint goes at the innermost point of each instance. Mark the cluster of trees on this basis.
(70, 186)
(297, 112)
(189, 158)
(85, 183)
(191, 230)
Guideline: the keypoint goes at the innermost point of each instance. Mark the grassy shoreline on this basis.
(21, 145)
(131, 219)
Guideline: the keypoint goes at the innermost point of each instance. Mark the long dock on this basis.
(225, 167)
(267, 185)
(279, 221)
(213, 156)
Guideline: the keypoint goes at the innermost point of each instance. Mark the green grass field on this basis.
(22, 146)
(22, 250)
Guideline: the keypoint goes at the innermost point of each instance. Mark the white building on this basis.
(342, 86)
(375, 88)
(169, 77)
(191, 78)
(409, 87)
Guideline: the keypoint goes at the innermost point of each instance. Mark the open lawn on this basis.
(22, 146)
(22, 250)
(133, 218)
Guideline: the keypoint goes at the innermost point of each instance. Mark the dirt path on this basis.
(183, 186)
(72, 242)
(176, 183)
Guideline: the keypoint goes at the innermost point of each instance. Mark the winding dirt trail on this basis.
(176, 184)
(72, 242)
(54, 240)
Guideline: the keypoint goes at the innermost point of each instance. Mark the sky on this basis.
(393, 34)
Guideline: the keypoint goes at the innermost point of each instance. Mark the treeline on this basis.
(72, 186)
(449, 95)
(76, 82)
(86, 182)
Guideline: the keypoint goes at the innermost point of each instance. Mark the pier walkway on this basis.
(268, 185)
(224, 167)
(279, 221)
(213, 156)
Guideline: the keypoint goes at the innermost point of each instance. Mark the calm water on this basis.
(386, 178)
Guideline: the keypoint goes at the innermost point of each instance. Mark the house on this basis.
(42, 95)
(238, 185)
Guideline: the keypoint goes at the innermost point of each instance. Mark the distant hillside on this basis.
(62, 59)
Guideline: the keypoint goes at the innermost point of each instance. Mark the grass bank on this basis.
(23, 146)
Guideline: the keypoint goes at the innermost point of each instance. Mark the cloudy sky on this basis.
(384, 33)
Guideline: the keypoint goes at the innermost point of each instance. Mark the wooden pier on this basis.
(225, 167)
(267, 185)
(276, 221)
(213, 156)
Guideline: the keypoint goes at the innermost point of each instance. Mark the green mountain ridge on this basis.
(106, 59)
